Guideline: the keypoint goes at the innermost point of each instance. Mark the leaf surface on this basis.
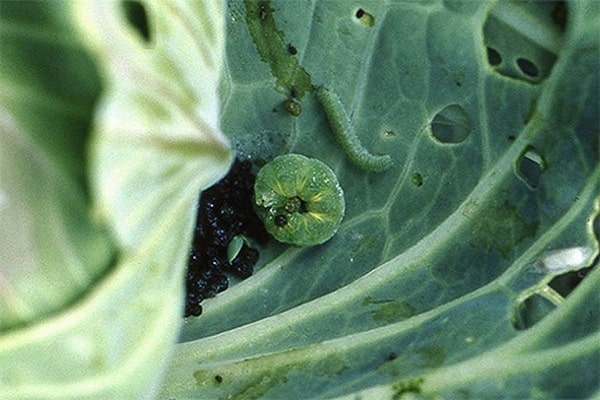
(438, 280)
(156, 142)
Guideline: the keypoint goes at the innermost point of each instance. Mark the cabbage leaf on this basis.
(119, 213)
(451, 274)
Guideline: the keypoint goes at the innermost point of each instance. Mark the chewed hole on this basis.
(417, 179)
(564, 284)
(364, 18)
(451, 125)
(531, 310)
(494, 58)
(136, 15)
(528, 67)
(514, 48)
(560, 14)
(530, 166)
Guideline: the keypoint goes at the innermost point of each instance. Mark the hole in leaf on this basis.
(417, 179)
(530, 167)
(564, 284)
(292, 50)
(531, 310)
(560, 14)
(451, 125)
(364, 18)
(509, 34)
(136, 15)
(494, 58)
(528, 67)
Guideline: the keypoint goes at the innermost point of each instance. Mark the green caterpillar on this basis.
(346, 136)
(299, 200)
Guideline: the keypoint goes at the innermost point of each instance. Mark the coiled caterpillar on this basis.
(299, 200)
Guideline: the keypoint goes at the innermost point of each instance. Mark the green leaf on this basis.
(447, 275)
(159, 125)
(433, 284)
(51, 250)
(156, 142)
